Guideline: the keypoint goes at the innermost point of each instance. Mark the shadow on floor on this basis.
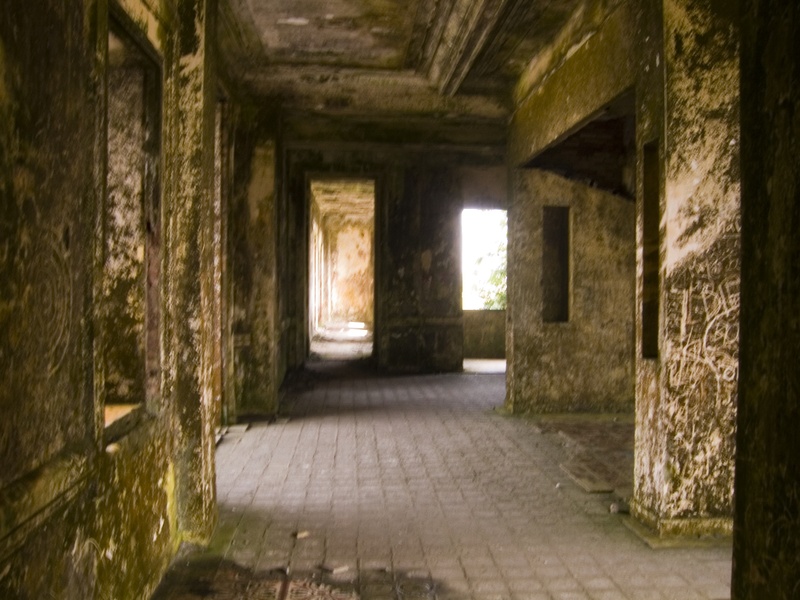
(195, 576)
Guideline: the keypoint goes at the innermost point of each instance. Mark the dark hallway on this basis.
(177, 254)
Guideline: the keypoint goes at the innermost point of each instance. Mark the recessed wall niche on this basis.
(132, 226)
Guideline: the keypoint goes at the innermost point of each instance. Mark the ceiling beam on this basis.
(471, 24)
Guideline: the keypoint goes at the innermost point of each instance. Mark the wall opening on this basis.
(651, 248)
(484, 250)
(555, 264)
(341, 268)
(132, 229)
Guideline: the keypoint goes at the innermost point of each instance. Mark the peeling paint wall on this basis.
(766, 550)
(586, 362)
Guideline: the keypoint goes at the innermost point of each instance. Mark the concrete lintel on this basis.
(596, 74)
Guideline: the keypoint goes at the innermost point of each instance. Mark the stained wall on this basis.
(253, 231)
(419, 196)
(49, 188)
(104, 507)
(484, 333)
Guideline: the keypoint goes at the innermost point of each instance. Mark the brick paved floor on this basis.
(414, 487)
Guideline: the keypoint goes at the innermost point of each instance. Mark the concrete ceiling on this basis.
(452, 58)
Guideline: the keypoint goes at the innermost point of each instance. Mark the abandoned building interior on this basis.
(186, 186)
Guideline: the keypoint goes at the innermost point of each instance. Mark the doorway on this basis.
(341, 268)
(484, 234)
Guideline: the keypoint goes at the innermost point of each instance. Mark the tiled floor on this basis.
(414, 487)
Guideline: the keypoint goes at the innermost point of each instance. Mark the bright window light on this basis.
(484, 238)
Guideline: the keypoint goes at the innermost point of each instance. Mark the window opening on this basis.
(132, 218)
(555, 264)
(651, 244)
(484, 250)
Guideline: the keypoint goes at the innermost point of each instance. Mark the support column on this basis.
(258, 283)
(190, 91)
(766, 548)
(687, 375)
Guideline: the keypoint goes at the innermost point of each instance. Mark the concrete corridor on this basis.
(414, 487)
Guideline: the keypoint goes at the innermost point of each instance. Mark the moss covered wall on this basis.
(589, 68)
(766, 550)
(49, 188)
(104, 508)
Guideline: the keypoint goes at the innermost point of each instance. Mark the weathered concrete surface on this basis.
(596, 64)
(256, 292)
(49, 186)
(190, 93)
(420, 285)
(419, 194)
(133, 539)
(680, 63)
(585, 363)
(766, 527)
(46, 225)
(685, 442)
(484, 333)
(104, 515)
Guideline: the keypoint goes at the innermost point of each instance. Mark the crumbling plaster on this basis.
(686, 446)
(106, 514)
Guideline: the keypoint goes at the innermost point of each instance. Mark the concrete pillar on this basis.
(766, 551)
(686, 379)
(190, 91)
(419, 278)
(257, 285)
